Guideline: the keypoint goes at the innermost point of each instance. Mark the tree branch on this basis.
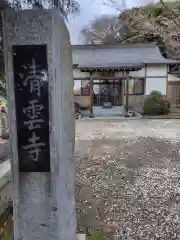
(65, 6)
(113, 4)
(171, 12)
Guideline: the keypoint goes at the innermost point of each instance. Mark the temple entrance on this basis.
(107, 92)
(107, 97)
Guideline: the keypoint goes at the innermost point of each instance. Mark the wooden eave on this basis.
(108, 68)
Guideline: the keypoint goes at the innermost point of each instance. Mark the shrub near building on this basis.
(154, 104)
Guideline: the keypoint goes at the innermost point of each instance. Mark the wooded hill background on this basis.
(159, 22)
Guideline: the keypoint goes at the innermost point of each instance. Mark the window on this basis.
(136, 86)
(85, 87)
(174, 68)
(81, 87)
(106, 91)
(77, 87)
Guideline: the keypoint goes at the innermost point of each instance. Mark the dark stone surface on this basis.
(32, 107)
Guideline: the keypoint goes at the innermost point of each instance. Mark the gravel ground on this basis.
(128, 177)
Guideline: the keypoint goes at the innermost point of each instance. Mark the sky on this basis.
(90, 10)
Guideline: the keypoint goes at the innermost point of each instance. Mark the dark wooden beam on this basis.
(107, 69)
(91, 96)
(127, 94)
(116, 78)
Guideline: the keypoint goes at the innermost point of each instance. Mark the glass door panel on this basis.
(106, 91)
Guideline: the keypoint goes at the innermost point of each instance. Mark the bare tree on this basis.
(65, 6)
(111, 29)
(166, 26)
(118, 5)
(121, 5)
(106, 29)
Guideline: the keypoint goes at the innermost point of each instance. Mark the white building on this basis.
(100, 76)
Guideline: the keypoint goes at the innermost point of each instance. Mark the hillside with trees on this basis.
(158, 22)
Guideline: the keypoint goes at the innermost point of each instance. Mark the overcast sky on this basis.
(91, 9)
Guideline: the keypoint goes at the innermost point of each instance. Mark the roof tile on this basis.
(118, 55)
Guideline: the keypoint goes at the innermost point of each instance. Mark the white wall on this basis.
(172, 77)
(140, 73)
(158, 84)
(156, 71)
(77, 73)
(156, 79)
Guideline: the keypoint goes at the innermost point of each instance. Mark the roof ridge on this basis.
(115, 45)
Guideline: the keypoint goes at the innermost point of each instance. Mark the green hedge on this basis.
(155, 105)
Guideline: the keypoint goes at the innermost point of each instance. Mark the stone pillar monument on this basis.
(38, 65)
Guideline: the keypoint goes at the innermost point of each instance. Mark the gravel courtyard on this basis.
(128, 177)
